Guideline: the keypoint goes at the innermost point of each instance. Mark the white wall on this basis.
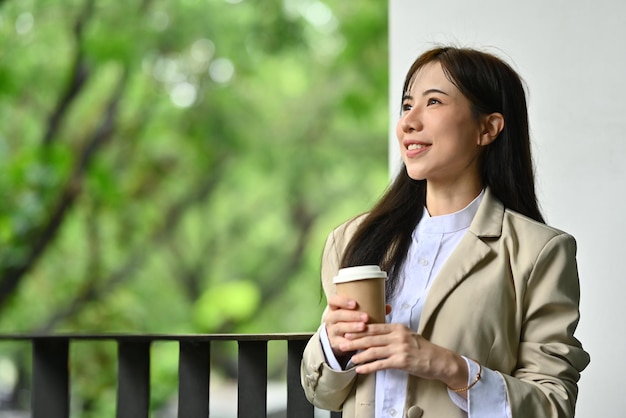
(572, 55)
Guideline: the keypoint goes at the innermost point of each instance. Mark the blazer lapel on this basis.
(469, 252)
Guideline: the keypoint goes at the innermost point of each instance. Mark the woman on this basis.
(482, 295)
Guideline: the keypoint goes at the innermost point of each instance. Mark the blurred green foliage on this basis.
(175, 166)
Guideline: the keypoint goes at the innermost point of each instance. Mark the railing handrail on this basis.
(122, 336)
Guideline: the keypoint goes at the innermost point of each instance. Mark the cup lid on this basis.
(349, 274)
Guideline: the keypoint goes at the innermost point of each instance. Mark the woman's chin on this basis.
(415, 174)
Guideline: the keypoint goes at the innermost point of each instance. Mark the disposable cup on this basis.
(366, 285)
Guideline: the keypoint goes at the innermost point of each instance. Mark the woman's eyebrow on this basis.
(425, 93)
(431, 91)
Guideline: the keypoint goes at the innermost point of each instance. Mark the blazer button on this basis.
(415, 412)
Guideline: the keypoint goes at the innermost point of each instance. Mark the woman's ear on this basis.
(492, 125)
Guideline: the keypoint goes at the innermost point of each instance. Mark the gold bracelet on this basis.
(476, 379)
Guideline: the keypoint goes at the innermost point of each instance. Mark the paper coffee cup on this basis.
(366, 285)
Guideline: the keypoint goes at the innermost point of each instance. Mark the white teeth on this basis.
(415, 146)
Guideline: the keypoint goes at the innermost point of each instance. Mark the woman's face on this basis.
(438, 134)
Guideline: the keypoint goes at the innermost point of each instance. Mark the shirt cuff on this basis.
(332, 361)
(487, 398)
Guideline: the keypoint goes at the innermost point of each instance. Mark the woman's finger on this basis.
(341, 302)
(342, 328)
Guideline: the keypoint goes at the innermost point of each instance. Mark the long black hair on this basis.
(490, 85)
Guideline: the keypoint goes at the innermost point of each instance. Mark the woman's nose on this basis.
(411, 121)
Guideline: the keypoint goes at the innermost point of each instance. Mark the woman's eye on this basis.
(406, 107)
(433, 101)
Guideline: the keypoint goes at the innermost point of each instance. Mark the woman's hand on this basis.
(341, 318)
(394, 346)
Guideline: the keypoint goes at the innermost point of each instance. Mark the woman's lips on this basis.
(416, 148)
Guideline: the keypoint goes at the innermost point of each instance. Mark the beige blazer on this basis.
(507, 296)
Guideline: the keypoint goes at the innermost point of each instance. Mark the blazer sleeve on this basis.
(324, 387)
(550, 358)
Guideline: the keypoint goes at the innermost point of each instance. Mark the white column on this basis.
(572, 55)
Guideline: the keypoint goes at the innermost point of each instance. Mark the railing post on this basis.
(297, 404)
(252, 379)
(133, 387)
(193, 379)
(50, 397)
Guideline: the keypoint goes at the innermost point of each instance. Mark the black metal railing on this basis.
(50, 394)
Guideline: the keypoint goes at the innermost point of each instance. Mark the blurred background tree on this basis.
(175, 166)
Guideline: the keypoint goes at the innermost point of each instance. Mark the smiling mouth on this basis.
(412, 147)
